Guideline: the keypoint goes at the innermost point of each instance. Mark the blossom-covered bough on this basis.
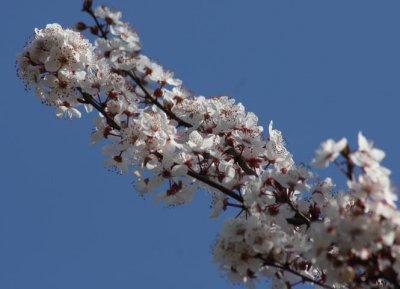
(290, 227)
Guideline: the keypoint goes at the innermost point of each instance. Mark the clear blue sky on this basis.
(319, 69)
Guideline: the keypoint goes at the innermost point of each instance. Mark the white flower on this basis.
(197, 143)
(126, 33)
(119, 157)
(227, 168)
(375, 185)
(177, 194)
(147, 185)
(60, 47)
(156, 72)
(322, 191)
(328, 152)
(54, 48)
(110, 16)
(102, 131)
(367, 155)
(276, 151)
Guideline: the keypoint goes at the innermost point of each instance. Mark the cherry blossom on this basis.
(109, 15)
(366, 155)
(328, 152)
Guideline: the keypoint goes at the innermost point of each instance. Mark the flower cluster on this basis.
(122, 50)
(55, 62)
(291, 227)
(249, 247)
(357, 241)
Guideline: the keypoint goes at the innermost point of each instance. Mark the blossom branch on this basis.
(237, 157)
(88, 9)
(220, 146)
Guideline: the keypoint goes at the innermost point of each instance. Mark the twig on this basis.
(89, 99)
(89, 10)
(211, 183)
(350, 166)
(299, 215)
(241, 161)
(290, 270)
(154, 101)
(215, 185)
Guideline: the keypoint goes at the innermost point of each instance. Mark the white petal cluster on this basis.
(55, 63)
(248, 248)
(367, 155)
(121, 51)
(359, 232)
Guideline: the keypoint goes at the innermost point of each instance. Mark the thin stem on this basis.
(91, 13)
(241, 161)
(299, 214)
(235, 205)
(154, 101)
(282, 196)
(217, 186)
(211, 183)
(89, 99)
(340, 167)
(286, 268)
(350, 166)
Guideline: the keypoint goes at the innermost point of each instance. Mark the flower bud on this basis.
(80, 26)
(94, 30)
(87, 5)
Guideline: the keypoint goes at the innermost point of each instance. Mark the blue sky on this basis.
(319, 69)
